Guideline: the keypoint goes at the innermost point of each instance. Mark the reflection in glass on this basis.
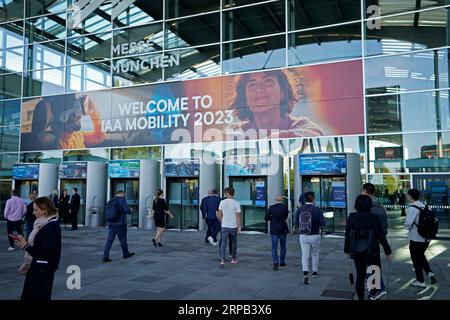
(307, 14)
(195, 63)
(36, 8)
(414, 71)
(325, 44)
(11, 10)
(89, 48)
(44, 56)
(11, 60)
(44, 82)
(140, 69)
(140, 12)
(9, 139)
(53, 156)
(97, 154)
(87, 77)
(11, 35)
(254, 21)
(398, 6)
(46, 28)
(7, 161)
(136, 153)
(138, 40)
(256, 54)
(9, 112)
(410, 32)
(10, 85)
(180, 8)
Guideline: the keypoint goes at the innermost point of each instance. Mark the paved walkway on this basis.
(187, 268)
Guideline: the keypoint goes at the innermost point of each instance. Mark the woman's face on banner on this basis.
(262, 92)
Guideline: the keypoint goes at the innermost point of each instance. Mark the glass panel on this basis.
(11, 60)
(10, 85)
(256, 54)
(415, 71)
(9, 139)
(40, 7)
(47, 157)
(140, 12)
(6, 164)
(140, 69)
(193, 31)
(138, 40)
(194, 63)
(89, 48)
(236, 3)
(47, 28)
(11, 35)
(87, 21)
(174, 202)
(306, 14)
(9, 113)
(44, 82)
(5, 192)
(87, 77)
(399, 6)
(254, 21)
(409, 32)
(386, 154)
(98, 154)
(325, 44)
(11, 10)
(189, 202)
(81, 186)
(396, 113)
(180, 8)
(136, 153)
(44, 56)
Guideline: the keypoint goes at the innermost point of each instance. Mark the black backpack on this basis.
(112, 210)
(361, 241)
(428, 223)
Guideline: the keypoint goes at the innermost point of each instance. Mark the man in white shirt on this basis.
(417, 244)
(229, 216)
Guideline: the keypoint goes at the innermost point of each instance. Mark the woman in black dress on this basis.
(160, 210)
(64, 200)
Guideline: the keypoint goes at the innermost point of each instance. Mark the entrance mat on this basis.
(338, 294)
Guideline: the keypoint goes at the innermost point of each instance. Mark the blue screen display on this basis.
(72, 170)
(181, 167)
(26, 172)
(124, 168)
(328, 164)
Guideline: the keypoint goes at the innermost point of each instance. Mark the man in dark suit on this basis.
(209, 207)
(74, 208)
(277, 215)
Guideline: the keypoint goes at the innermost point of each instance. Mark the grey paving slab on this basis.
(187, 268)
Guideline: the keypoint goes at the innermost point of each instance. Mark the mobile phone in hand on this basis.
(14, 237)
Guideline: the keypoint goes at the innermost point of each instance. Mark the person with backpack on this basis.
(309, 219)
(277, 215)
(377, 209)
(363, 234)
(116, 211)
(422, 228)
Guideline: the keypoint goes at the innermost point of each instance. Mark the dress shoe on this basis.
(107, 260)
(275, 266)
(283, 264)
(129, 255)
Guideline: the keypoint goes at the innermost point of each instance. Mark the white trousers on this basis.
(310, 245)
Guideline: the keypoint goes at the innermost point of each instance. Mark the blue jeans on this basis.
(121, 232)
(275, 239)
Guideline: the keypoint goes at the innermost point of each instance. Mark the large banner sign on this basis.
(311, 101)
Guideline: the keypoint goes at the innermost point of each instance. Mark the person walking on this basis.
(417, 244)
(29, 215)
(74, 206)
(15, 209)
(159, 211)
(402, 203)
(277, 215)
(302, 198)
(377, 209)
(309, 219)
(209, 207)
(42, 252)
(64, 201)
(117, 225)
(363, 234)
(229, 216)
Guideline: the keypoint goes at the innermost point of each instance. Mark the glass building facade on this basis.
(46, 49)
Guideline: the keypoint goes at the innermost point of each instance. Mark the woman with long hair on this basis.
(42, 251)
(159, 211)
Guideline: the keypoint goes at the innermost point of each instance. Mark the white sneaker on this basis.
(11, 249)
(211, 240)
(215, 244)
(418, 284)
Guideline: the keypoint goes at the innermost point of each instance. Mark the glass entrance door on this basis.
(81, 186)
(435, 191)
(330, 193)
(251, 193)
(25, 187)
(131, 189)
(182, 195)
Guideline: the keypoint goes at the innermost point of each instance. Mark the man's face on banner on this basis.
(262, 90)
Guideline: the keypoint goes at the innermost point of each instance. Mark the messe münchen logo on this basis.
(83, 8)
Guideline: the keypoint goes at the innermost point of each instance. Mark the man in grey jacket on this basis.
(369, 190)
